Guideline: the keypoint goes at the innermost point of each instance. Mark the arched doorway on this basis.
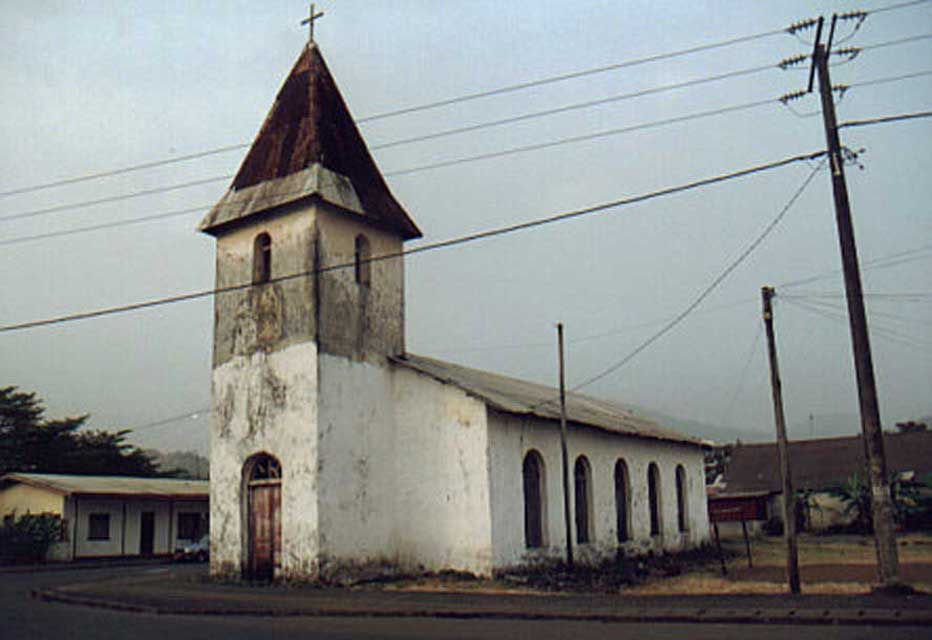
(263, 475)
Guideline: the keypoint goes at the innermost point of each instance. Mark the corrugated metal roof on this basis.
(512, 395)
(116, 486)
(308, 125)
(818, 463)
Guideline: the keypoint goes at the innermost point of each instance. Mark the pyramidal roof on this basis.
(310, 145)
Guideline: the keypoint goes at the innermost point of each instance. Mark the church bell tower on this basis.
(304, 320)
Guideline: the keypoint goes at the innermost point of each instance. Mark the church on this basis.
(333, 449)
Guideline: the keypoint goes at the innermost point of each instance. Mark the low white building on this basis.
(111, 516)
(333, 449)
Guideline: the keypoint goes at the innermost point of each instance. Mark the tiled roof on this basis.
(512, 395)
(113, 486)
(818, 463)
(309, 130)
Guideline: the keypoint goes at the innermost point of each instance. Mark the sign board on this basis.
(738, 509)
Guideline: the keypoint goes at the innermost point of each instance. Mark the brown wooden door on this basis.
(265, 531)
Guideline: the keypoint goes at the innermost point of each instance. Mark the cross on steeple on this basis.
(309, 21)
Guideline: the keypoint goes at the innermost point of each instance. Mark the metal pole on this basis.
(881, 502)
(789, 498)
(566, 471)
(718, 545)
(747, 545)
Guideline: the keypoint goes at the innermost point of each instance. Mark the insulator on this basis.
(786, 63)
(789, 97)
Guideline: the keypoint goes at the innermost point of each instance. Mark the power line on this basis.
(892, 43)
(120, 171)
(885, 119)
(895, 7)
(423, 248)
(909, 255)
(103, 225)
(191, 415)
(919, 295)
(886, 333)
(467, 97)
(709, 289)
(456, 161)
(412, 109)
(582, 138)
(742, 376)
(125, 196)
(574, 107)
(889, 79)
(436, 165)
(590, 337)
(569, 76)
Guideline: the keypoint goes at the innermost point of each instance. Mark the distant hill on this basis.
(190, 463)
(704, 430)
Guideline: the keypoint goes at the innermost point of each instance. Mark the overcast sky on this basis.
(95, 86)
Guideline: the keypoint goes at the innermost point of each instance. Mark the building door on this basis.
(146, 533)
(265, 524)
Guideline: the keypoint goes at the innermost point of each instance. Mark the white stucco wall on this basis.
(443, 507)
(512, 437)
(125, 526)
(265, 402)
(356, 462)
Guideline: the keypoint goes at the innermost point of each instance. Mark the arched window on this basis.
(264, 467)
(622, 490)
(682, 520)
(533, 471)
(653, 498)
(363, 256)
(262, 259)
(582, 482)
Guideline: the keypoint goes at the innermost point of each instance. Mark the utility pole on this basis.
(566, 470)
(789, 497)
(881, 502)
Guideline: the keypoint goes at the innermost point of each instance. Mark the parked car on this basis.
(194, 552)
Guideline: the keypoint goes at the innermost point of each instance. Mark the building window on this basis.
(621, 500)
(189, 526)
(265, 467)
(653, 497)
(682, 520)
(98, 526)
(363, 262)
(262, 259)
(582, 482)
(533, 472)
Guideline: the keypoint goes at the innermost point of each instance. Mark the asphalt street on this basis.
(25, 618)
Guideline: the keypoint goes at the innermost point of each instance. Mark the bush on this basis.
(773, 526)
(28, 537)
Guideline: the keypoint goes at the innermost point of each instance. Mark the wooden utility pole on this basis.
(566, 469)
(881, 501)
(789, 497)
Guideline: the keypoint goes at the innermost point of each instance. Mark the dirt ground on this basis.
(841, 564)
(829, 565)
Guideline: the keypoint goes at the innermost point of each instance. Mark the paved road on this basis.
(24, 618)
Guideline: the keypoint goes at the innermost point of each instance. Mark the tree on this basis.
(905, 491)
(30, 443)
(911, 426)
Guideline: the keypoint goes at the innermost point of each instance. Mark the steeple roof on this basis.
(310, 145)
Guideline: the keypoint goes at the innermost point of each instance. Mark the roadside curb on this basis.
(797, 616)
(71, 566)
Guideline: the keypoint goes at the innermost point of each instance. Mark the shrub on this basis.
(28, 537)
(773, 526)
